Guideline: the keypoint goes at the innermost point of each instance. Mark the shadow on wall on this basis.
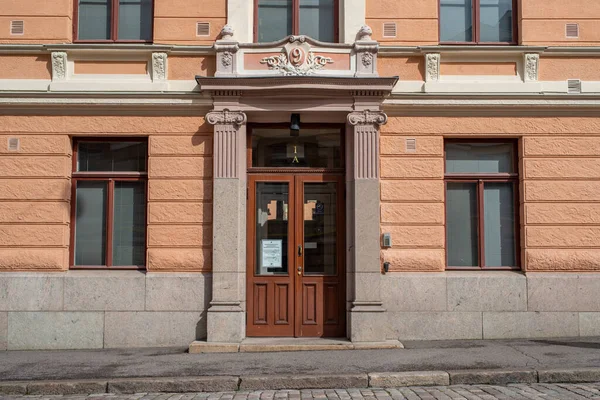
(208, 66)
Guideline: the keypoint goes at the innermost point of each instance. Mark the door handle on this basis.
(299, 250)
(299, 270)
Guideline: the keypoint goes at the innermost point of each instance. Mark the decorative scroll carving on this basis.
(367, 118)
(432, 65)
(159, 66)
(297, 58)
(227, 32)
(226, 59)
(531, 67)
(226, 117)
(364, 33)
(367, 59)
(59, 66)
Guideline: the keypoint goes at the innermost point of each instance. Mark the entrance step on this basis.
(255, 345)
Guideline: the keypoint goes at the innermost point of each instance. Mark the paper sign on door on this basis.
(271, 253)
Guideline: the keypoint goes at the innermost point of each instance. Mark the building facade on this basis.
(211, 170)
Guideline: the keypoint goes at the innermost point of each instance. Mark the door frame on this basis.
(293, 176)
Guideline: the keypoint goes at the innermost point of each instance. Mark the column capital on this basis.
(367, 118)
(226, 117)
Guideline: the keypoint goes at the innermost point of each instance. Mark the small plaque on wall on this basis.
(271, 253)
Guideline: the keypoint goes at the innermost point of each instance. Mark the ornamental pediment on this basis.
(295, 56)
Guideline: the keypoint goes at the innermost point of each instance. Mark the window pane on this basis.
(320, 227)
(317, 19)
(496, 20)
(456, 21)
(129, 223)
(479, 158)
(90, 223)
(272, 224)
(499, 225)
(274, 19)
(94, 19)
(111, 156)
(135, 20)
(461, 224)
(316, 148)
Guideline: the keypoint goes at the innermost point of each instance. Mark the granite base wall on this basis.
(491, 305)
(102, 309)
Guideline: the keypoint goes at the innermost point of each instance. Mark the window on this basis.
(481, 205)
(276, 19)
(478, 21)
(113, 20)
(108, 214)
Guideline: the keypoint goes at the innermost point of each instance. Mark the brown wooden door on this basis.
(295, 257)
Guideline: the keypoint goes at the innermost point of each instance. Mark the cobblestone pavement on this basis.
(464, 392)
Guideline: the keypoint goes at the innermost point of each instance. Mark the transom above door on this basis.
(295, 233)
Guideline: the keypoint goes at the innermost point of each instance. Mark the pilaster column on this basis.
(226, 321)
(366, 315)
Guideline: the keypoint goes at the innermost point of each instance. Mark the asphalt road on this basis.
(418, 356)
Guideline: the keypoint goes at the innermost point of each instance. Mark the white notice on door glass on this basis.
(270, 252)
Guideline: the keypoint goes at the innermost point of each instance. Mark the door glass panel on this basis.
(317, 19)
(461, 224)
(314, 148)
(272, 222)
(320, 228)
(499, 223)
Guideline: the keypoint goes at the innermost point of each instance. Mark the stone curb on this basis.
(297, 382)
(492, 377)
(573, 375)
(414, 378)
(279, 382)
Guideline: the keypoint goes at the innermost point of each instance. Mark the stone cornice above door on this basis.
(287, 93)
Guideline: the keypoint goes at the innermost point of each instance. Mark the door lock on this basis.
(299, 270)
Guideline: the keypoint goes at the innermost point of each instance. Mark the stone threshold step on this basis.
(256, 345)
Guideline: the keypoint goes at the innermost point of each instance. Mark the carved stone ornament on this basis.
(227, 32)
(367, 59)
(367, 118)
(364, 33)
(59, 66)
(226, 117)
(159, 66)
(297, 59)
(531, 67)
(226, 59)
(432, 66)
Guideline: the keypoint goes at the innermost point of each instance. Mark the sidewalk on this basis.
(419, 364)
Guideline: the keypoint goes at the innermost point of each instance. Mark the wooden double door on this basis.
(295, 255)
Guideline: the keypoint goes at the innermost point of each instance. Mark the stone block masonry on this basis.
(102, 309)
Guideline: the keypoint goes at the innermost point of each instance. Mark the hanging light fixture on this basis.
(295, 125)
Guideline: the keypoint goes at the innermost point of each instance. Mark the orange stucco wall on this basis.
(416, 20)
(175, 20)
(25, 67)
(559, 174)
(48, 21)
(560, 200)
(35, 192)
(543, 22)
